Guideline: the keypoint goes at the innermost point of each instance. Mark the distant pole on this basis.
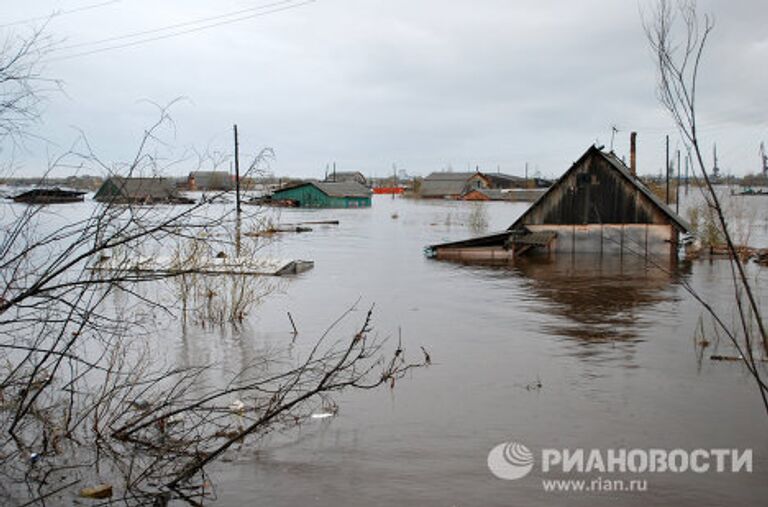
(394, 179)
(526, 174)
(687, 159)
(667, 159)
(677, 189)
(334, 172)
(237, 173)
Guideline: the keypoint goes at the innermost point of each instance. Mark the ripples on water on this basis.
(610, 341)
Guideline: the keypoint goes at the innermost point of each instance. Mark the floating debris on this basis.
(97, 492)
(237, 406)
(206, 266)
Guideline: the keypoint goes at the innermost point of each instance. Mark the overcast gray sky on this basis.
(423, 84)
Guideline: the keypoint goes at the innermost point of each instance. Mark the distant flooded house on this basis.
(344, 176)
(49, 196)
(471, 186)
(324, 194)
(122, 190)
(211, 181)
(500, 180)
(448, 185)
(598, 206)
(485, 194)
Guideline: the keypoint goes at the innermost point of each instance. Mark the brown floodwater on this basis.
(609, 340)
(569, 352)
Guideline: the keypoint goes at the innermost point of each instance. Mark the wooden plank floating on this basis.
(206, 266)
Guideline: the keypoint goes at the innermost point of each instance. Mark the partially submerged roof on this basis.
(450, 176)
(138, 188)
(340, 176)
(440, 184)
(334, 188)
(502, 180)
(493, 194)
(618, 167)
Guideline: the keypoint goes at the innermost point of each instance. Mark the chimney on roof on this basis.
(633, 153)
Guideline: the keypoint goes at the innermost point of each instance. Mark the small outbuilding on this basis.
(324, 194)
(598, 206)
(122, 190)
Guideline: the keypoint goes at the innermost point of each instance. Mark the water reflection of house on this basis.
(596, 300)
(122, 190)
(598, 206)
(324, 194)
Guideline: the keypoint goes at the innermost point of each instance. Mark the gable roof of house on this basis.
(339, 176)
(616, 164)
(439, 184)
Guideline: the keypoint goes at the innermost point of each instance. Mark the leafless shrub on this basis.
(677, 36)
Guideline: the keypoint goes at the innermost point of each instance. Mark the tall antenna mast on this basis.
(715, 169)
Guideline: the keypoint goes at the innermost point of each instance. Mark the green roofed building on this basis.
(325, 194)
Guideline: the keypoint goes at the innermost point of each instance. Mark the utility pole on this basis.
(667, 159)
(237, 174)
(394, 179)
(526, 174)
(677, 188)
(238, 209)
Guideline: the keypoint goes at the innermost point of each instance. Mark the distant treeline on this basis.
(85, 182)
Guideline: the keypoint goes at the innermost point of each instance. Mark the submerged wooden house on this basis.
(122, 190)
(324, 194)
(446, 185)
(598, 206)
(49, 196)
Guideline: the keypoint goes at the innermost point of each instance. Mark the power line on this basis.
(182, 32)
(174, 26)
(58, 13)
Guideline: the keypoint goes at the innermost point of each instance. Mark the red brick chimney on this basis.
(633, 153)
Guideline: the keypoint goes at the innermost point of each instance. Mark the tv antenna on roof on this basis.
(614, 131)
